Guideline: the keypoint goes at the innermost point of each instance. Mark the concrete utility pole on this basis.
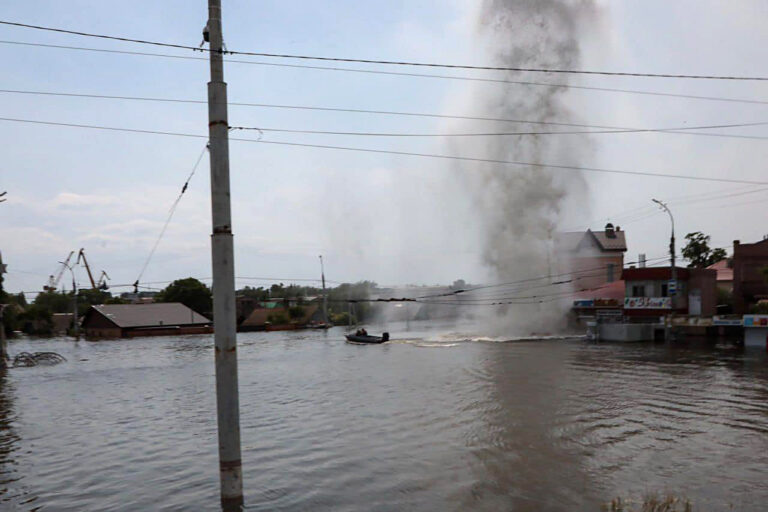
(325, 295)
(3, 344)
(222, 252)
(75, 325)
(672, 293)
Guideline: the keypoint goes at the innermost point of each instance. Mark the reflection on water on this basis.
(431, 421)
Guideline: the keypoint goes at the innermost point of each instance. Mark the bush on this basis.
(296, 312)
(339, 318)
(277, 318)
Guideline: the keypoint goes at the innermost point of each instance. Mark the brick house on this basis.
(595, 258)
(749, 282)
(647, 292)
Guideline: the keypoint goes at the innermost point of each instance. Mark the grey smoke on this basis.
(520, 209)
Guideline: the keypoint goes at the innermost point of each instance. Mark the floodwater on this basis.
(440, 421)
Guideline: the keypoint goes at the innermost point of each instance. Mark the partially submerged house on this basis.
(592, 258)
(648, 295)
(276, 317)
(750, 275)
(132, 320)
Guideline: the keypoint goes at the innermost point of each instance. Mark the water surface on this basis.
(436, 421)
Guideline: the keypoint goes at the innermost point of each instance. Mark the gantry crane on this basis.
(53, 282)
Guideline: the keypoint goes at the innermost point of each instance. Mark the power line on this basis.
(687, 130)
(491, 134)
(170, 215)
(389, 62)
(396, 73)
(527, 280)
(407, 153)
(515, 163)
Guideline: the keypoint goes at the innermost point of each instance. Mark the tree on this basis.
(698, 252)
(54, 302)
(190, 292)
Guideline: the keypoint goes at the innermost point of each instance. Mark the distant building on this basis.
(749, 281)
(275, 316)
(139, 297)
(647, 292)
(724, 269)
(61, 322)
(132, 320)
(593, 258)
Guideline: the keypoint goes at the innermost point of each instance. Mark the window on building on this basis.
(610, 269)
(638, 291)
(664, 291)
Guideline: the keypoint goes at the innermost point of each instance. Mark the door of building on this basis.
(694, 303)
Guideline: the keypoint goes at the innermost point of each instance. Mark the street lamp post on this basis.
(76, 327)
(669, 334)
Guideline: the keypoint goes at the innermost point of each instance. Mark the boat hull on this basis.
(354, 338)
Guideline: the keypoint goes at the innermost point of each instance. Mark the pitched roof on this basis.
(150, 315)
(724, 272)
(616, 243)
(614, 290)
(572, 240)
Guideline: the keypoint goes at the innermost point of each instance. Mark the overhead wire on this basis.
(405, 74)
(685, 130)
(515, 163)
(491, 134)
(386, 62)
(170, 216)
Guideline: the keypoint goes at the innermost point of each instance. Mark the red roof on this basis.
(724, 273)
(614, 290)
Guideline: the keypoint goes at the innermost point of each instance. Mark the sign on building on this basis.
(647, 303)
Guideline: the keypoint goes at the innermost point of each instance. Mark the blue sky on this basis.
(393, 219)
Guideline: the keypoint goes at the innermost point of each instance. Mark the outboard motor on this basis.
(385, 336)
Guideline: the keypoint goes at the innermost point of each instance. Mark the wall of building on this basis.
(592, 270)
(704, 282)
(100, 333)
(749, 284)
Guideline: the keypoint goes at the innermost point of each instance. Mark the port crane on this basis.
(101, 285)
(102, 282)
(81, 257)
(53, 282)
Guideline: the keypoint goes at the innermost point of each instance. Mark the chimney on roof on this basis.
(618, 229)
(641, 260)
(609, 232)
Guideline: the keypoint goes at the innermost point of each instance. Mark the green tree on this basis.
(338, 297)
(190, 292)
(698, 252)
(36, 319)
(88, 297)
(259, 293)
(54, 302)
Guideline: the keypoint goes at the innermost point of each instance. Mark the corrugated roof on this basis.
(151, 315)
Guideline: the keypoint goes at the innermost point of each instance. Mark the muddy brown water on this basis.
(436, 420)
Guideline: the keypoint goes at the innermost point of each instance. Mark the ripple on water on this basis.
(490, 424)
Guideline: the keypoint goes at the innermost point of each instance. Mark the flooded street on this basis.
(434, 422)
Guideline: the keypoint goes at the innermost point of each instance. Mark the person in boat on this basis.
(363, 332)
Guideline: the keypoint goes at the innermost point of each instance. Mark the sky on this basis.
(393, 219)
